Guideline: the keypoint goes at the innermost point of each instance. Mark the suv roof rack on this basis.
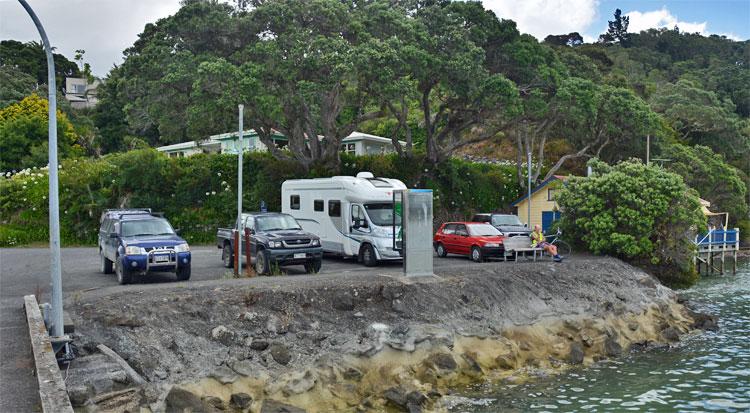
(124, 211)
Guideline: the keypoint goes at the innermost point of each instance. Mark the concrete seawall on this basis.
(364, 342)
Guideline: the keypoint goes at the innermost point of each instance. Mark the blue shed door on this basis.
(548, 217)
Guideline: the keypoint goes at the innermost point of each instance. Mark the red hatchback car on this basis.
(475, 239)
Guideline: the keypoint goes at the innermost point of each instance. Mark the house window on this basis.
(334, 208)
(349, 148)
(80, 89)
(294, 202)
(551, 193)
(318, 205)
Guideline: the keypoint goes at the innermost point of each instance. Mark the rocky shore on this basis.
(361, 342)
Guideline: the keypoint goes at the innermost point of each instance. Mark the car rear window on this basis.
(449, 229)
(482, 230)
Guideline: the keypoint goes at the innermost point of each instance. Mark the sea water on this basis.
(705, 372)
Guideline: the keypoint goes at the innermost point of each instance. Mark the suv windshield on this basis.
(482, 230)
(276, 223)
(498, 220)
(152, 226)
(381, 214)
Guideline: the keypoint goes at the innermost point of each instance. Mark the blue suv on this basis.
(135, 242)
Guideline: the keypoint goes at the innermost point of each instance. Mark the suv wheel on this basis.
(313, 267)
(123, 275)
(106, 263)
(368, 256)
(261, 263)
(227, 256)
(183, 273)
(476, 254)
(441, 251)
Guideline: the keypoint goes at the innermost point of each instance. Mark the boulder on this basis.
(272, 406)
(259, 345)
(343, 302)
(612, 348)
(179, 400)
(576, 354)
(223, 335)
(215, 402)
(352, 374)
(442, 361)
(280, 353)
(240, 401)
(706, 322)
(224, 375)
(671, 334)
(300, 383)
(506, 361)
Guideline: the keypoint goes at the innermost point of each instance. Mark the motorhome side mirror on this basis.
(525, 225)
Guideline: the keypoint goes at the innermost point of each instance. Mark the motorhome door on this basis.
(335, 242)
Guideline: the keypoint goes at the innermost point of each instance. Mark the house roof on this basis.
(541, 186)
(360, 136)
(250, 133)
(187, 145)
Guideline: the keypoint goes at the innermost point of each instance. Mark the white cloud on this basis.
(640, 21)
(104, 28)
(543, 17)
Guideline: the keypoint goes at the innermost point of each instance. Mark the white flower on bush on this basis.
(207, 193)
(33, 209)
(218, 173)
(213, 192)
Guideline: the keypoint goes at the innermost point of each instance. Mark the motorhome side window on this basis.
(294, 202)
(334, 208)
(318, 205)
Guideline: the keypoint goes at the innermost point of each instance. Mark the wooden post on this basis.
(249, 269)
(237, 258)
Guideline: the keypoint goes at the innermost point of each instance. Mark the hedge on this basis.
(198, 193)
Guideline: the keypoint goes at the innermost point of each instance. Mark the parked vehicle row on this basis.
(348, 216)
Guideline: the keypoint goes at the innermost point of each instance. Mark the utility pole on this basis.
(528, 173)
(648, 149)
(56, 317)
(240, 147)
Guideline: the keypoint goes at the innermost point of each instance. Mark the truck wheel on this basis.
(106, 263)
(227, 256)
(441, 251)
(183, 273)
(476, 254)
(262, 266)
(313, 267)
(123, 275)
(368, 256)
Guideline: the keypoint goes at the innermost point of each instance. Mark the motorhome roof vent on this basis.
(366, 175)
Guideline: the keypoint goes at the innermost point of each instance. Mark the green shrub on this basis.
(199, 193)
(640, 213)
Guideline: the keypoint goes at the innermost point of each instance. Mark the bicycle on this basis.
(562, 246)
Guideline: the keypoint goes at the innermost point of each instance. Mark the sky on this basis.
(104, 28)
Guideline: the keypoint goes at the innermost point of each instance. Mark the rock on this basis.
(240, 400)
(215, 402)
(396, 396)
(442, 361)
(358, 314)
(248, 316)
(473, 364)
(343, 302)
(223, 335)
(275, 326)
(506, 361)
(352, 374)
(576, 354)
(612, 348)
(633, 326)
(179, 400)
(161, 374)
(78, 394)
(300, 383)
(415, 398)
(706, 322)
(259, 345)
(524, 346)
(398, 306)
(243, 367)
(272, 406)
(587, 341)
(224, 375)
(280, 353)
(671, 334)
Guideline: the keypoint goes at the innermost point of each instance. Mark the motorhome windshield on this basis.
(276, 223)
(498, 220)
(381, 214)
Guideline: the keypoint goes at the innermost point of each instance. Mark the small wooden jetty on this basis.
(714, 248)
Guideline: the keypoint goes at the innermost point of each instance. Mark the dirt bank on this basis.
(362, 342)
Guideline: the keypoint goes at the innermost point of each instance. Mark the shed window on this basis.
(318, 205)
(294, 202)
(334, 208)
(551, 194)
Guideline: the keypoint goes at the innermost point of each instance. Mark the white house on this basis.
(357, 143)
(80, 93)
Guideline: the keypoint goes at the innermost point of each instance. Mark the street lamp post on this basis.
(528, 173)
(55, 318)
(240, 146)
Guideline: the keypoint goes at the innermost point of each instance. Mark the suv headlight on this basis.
(135, 251)
(275, 244)
(315, 242)
(182, 247)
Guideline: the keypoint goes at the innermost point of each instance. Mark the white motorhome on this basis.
(353, 216)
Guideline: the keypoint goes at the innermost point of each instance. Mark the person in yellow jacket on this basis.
(538, 240)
